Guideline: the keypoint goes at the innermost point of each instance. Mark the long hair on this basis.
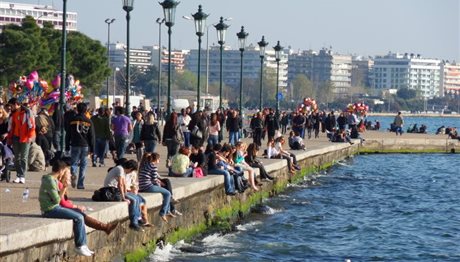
(150, 118)
(213, 119)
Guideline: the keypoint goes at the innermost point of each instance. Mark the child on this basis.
(295, 141)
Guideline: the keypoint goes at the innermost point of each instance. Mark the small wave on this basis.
(264, 209)
(163, 254)
(248, 226)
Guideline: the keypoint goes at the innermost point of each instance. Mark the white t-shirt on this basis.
(113, 176)
(183, 122)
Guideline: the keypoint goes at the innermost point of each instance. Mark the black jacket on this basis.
(233, 123)
(80, 133)
(150, 132)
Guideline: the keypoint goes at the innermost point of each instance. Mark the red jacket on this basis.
(22, 125)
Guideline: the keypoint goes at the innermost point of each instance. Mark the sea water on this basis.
(400, 207)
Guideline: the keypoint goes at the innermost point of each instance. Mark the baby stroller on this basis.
(7, 162)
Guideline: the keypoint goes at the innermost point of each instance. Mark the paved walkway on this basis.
(16, 215)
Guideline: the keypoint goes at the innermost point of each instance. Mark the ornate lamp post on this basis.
(262, 44)
(128, 7)
(242, 43)
(200, 24)
(108, 21)
(278, 49)
(160, 22)
(169, 10)
(221, 28)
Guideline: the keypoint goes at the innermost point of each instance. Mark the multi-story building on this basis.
(140, 58)
(177, 58)
(396, 71)
(360, 71)
(322, 67)
(14, 13)
(450, 80)
(232, 65)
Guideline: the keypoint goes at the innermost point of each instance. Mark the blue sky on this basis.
(367, 27)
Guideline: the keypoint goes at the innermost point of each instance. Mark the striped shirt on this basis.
(147, 176)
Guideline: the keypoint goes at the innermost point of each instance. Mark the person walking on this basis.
(121, 126)
(102, 135)
(183, 121)
(150, 133)
(398, 123)
(80, 139)
(257, 126)
(233, 126)
(172, 137)
(21, 133)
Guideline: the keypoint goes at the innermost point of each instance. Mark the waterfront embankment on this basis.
(26, 236)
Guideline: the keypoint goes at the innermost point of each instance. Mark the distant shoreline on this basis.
(414, 115)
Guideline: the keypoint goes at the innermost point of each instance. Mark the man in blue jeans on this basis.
(80, 138)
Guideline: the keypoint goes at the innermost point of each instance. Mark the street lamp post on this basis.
(200, 23)
(242, 43)
(160, 22)
(169, 10)
(108, 21)
(128, 7)
(221, 28)
(63, 75)
(262, 44)
(278, 49)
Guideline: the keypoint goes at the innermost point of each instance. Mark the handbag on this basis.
(198, 172)
(107, 194)
(197, 132)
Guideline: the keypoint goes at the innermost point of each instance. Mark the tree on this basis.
(406, 93)
(185, 80)
(27, 48)
(302, 87)
(324, 92)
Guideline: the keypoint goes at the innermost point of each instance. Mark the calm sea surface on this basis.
(433, 123)
(368, 208)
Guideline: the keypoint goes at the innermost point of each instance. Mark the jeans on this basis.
(188, 173)
(133, 208)
(228, 179)
(398, 129)
(79, 158)
(233, 137)
(121, 142)
(213, 139)
(21, 156)
(101, 147)
(166, 198)
(150, 146)
(257, 136)
(186, 138)
(78, 222)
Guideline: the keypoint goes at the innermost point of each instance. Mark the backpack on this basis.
(107, 194)
(241, 183)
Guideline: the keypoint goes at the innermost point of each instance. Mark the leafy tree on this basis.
(302, 87)
(27, 48)
(324, 92)
(185, 80)
(406, 93)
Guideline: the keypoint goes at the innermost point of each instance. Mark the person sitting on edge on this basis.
(241, 163)
(251, 159)
(273, 152)
(295, 141)
(214, 169)
(63, 185)
(198, 157)
(279, 143)
(49, 197)
(116, 178)
(180, 164)
(132, 187)
(151, 182)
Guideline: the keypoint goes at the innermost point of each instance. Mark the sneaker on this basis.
(22, 180)
(171, 214)
(83, 251)
(230, 193)
(87, 249)
(17, 180)
(80, 187)
(177, 213)
(102, 165)
(94, 165)
(73, 181)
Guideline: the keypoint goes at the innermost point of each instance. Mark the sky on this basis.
(363, 27)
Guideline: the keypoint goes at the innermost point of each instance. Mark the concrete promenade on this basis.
(22, 227)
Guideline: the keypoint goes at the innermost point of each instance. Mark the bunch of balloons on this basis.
(358, 108)
(72, 93)
(308, 105)
(28, 89)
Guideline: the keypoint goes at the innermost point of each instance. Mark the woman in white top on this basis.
(183, 120)
(275, 150)
(214, 129)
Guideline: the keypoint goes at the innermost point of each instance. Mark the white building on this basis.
(408, 71)
(140, 58)
(14, 13)
(450, 80)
